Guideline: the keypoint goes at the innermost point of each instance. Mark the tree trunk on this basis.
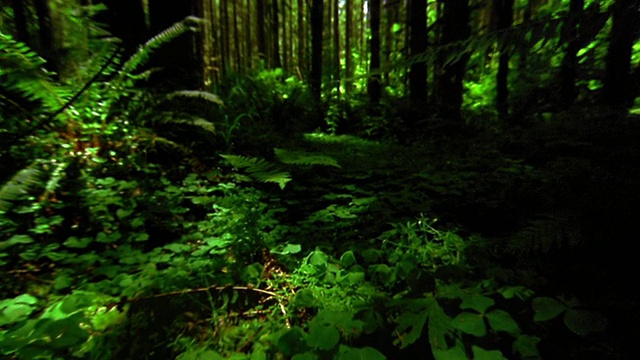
(126, 21)
(301, 39)
(417, 45)
(262, 38)
(46, 38)
(285, 40)
(336, 45)
(20, 22)
(568, 70)
(248, 36)
(315, 80)
(504, 10)
(236, 37)
(617, 89)
(348, 58)
(177, 59)
(455, 28)
(374, 87)
(225, 57)
(277, 63)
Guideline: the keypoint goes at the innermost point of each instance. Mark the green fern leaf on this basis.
(304, 158)
(212, 98)
(20, 185)
(260, 169)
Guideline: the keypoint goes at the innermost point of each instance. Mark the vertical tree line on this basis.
(419, 49)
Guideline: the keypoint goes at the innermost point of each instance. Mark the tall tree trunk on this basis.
(177, 59)
(20, 22)
(617, 89)
(455, 28)
(301, 39)
(236, 36)
(285, 38)
(568, 70)
(336, 45)
(504, 10)
(347, 48)
(47, 46)
(262, 38)
(248, 36)
(374, 87)
(277, 63)
(315, 80)
(126, 21)
(417, 45)
(225, 56)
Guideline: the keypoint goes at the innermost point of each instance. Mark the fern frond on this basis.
(546, 233)
(304, 158)
(207, 96)
(260, 169)
(190, 23)
(20, 185)
(171, 118)
(22, 71)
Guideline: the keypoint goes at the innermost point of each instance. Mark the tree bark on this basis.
(504, 10)
(568, 69)
(455, 28)
(347, 48)
(374, 87)
(315, 80)
(336, 45)
(20, 22)
(417, 46)
(277, 63)
(262, 38)
(618, 90)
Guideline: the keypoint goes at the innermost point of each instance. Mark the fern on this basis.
(22, 71)
(304, 158)
(207, 96)
(260, 169)
(171, 118)
(190, 23)
(20, 185)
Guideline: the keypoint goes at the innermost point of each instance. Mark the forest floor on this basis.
(555, 202)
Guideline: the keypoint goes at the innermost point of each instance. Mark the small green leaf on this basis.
(288, 249)
(292, 342)
(500, 320)
(583, 322)
(347, 259)
(323, 337)
(15, 312)
(527, 346)
(482, 354)
(478, 303)
(305, 356)
(305, 298)
(366, 353)
(123, 213)
(470, 323)
(75, 243)
(20, 239)
(318, 258)
(455, 353)
(546, 308)
(25, 299)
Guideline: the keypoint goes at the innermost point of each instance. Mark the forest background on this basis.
(313, 179)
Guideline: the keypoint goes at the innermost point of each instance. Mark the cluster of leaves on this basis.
(101, 244)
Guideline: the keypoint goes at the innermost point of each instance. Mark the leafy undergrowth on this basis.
(127, 260)
(170, 226)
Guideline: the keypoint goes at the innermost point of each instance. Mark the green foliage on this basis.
(265, 171)
(22, 72)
